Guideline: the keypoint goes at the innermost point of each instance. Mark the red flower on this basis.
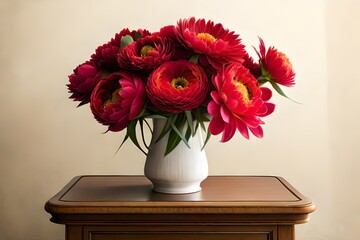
(238, 103)
(253, 67)
(218, 44)
(105, 56)
(83, 81)
(276, 64)
(146, 53)
(118, 99)
(177, 86)
(180, 52)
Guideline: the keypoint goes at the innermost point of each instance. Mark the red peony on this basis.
(118, 99)
(219, 45)
(105, 56)
(238, 103)
(277, 65)
(83, 81)
(177, 86)
(146, 53)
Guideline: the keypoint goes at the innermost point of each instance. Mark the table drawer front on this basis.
(180, 233)
(179, 236)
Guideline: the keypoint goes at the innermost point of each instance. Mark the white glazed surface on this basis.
(182, 170)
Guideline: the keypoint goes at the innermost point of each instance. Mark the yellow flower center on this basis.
(114, 97)
(145, 50)
(285, 59)
(206, 37)
(179, 83)
(245, 91)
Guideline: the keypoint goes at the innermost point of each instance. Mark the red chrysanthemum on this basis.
(219, 45)
(276, 64)
(146, 53)
(105, 56)
(118, 99)
(177, 86)
(238, 103)
(83, 81)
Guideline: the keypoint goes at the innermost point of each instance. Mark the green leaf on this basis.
(188, 134)
(148, 125)
(175, 135)
(165, 130)
(278, 90)
(141, 121)
(122, 143)
(178, 126)
(208, 135)
(197, 126)
(131, 132)
(200, 116)
(173, 141)
(137, 36)
(190, 122)
(203, 126)
(194, 58)
(125, 40)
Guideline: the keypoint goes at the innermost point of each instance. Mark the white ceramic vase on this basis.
(182, 170)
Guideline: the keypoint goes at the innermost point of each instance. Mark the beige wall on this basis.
(45, 140)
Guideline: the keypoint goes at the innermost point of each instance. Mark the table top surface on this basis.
(219, 194)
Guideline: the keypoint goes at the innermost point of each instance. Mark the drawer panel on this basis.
(180, 232)
(180, 235)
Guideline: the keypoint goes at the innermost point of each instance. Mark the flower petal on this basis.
(258, 132)
(228, 133)
(216, 125)
(213, 108)
(243, 129)
(225, 113)
(266, 94)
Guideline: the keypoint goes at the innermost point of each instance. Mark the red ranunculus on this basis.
(118, 99)
(238, 103)
(276, 64)
(105, 56)
(177, 86)
(83, 81)
(146, 53)
(219, 45)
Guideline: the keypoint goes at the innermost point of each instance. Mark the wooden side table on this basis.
(228, 207)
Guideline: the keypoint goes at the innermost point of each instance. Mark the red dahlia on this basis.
(105, 56)
(146, 53)
(83, 81)
(118, 99)
(219, 45)
(238, 103)
(177, 86)
(276, 64)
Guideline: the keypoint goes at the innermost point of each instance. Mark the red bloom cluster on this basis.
(195, 66)
(177, 86)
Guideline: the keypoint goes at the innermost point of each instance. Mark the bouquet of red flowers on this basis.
(190, 73)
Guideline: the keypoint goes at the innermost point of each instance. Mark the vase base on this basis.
(176, 188)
